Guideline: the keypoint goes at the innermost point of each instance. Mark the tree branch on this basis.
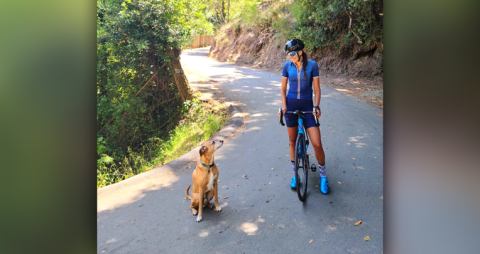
(359, 39)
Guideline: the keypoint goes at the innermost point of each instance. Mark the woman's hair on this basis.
(304, 63)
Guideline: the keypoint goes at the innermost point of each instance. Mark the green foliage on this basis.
(320, 23)
(200, 123)
(133, 38)
(323, 23)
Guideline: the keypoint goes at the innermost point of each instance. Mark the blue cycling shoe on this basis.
(324, 185)
(293, 183)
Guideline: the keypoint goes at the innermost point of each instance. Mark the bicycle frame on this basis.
(300, 152)
(301, 130)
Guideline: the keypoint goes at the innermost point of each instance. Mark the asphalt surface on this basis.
(260, 213)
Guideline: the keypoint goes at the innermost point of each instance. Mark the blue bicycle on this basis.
(302, 162)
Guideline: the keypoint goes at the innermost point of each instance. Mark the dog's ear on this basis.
(202, 150)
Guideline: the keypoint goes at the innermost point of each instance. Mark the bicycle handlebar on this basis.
(296, 112)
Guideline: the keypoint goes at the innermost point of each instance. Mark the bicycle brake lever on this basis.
(280, 111)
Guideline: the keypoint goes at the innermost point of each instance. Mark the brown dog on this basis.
(204, 178)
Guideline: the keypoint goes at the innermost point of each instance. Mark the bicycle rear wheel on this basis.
(301, 167)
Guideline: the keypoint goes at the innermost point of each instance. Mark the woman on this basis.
(302, 73)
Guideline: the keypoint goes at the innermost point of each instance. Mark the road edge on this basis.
(233, 125)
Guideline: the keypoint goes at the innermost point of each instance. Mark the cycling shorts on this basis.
(303, 105)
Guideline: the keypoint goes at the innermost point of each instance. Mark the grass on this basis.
(202, 120)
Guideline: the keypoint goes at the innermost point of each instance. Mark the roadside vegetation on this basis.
(146, 113)
(200, 120)
(341, 24)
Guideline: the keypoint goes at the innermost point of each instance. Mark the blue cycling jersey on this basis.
(300, 87)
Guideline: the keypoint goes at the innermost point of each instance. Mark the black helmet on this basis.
(294, 45)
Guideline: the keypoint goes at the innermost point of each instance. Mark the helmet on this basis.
(294, 45)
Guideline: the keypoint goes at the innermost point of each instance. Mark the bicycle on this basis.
(301, 157)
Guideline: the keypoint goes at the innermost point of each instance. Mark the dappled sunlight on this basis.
(330, 228)
(240, 90)
(356, 140)
(111, 241)
(257, 115)
(251, 228)
(128, 193)
(360, 145)
(203, 233)
(342, 90)
(248, 228)
(275, 103)
(354, 250)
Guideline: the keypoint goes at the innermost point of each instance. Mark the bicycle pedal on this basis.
(313, 168)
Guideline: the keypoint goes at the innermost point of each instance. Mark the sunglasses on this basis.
(292, 54)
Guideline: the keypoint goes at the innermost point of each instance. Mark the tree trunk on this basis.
(228, 12)
(177, 72)
(223, 11)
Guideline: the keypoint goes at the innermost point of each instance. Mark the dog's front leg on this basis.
(215, 192)
(201, 193)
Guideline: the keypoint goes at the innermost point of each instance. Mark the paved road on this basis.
(148, 213)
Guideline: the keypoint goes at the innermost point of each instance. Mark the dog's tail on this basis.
(186, 193)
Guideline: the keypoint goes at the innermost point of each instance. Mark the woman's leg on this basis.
(315, 139)
(292, 138)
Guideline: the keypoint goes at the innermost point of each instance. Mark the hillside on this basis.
(354, 68)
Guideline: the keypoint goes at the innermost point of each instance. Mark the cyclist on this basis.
(302, 73)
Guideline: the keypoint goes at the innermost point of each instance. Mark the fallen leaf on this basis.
(218, 181)
(316, 186)
(255, 149)
(358, 223)
(366, 238)
(183, 201)
(259, 189)
(259, 216)
(225, 197)
(171, 189)
(311, 241)
(374, 157)
(236, 184)
(131, 222)
(339, 183)
(353, 158)
(244, 176)
(271, 169)
(270, 183)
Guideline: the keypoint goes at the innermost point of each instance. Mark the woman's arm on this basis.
(283, 94)
(318, 93)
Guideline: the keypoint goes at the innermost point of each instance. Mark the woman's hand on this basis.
(318, 112)
(284, 110)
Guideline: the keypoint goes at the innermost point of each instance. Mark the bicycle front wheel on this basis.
(301, 167)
